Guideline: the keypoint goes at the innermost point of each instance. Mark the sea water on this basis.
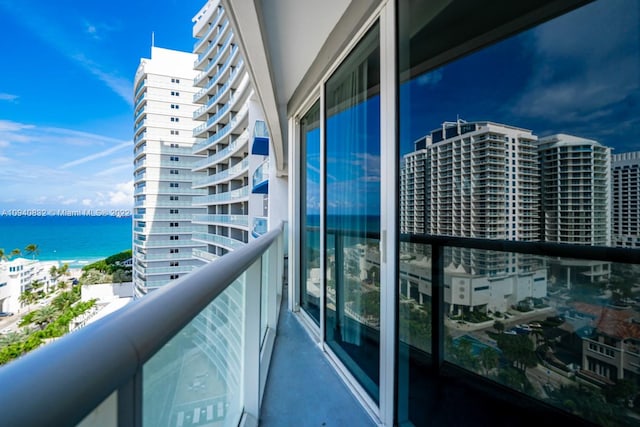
(76, 240)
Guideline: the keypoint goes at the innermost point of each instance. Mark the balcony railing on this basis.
(225, 152)
(225, 131)
(220, 91)
(261, 178)
(201, 337)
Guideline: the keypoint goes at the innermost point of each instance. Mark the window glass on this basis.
(310, 212)
(533, 137)
(352, 312)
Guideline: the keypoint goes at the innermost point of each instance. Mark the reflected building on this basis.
(576, 202)
(626, 199)
(481, 180)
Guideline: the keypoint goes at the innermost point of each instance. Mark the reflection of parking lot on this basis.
(207, 412)
(200, 395)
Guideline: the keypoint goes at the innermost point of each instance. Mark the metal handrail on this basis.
(549, 249)
(67, 379)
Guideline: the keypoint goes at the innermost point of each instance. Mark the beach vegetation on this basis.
(108, 270)
(52, 322)
(32, 249)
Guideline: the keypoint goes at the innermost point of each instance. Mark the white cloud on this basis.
(121, 86)
(116, 170)
(67, 202)
(122, 197)
(584, 67)
(95, 156)
(430, 78)
(8, 97)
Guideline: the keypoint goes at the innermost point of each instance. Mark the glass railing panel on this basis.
(561, 330)
(196, 378)
(260, 129)
(268, 261)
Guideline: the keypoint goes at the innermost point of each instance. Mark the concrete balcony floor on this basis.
(302, 388)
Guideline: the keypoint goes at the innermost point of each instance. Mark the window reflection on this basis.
(534, 138)
(353, 211)
(310, 212)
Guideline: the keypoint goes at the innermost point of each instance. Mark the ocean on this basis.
(76, 240)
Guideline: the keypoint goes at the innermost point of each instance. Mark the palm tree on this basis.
(64, 270)
(488, 359)
(54, 272)
(3, 255)
(27, 297)
(32, 249)
(44, 316)
(10, 338)
(14, 253)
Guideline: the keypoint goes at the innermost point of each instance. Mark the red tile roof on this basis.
(616, 323)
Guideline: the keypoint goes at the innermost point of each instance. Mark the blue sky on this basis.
(66, 96)
(577, 74)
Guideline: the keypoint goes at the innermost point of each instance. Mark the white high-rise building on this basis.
(626, 199)
(163, 124)
(232, 137)
(475, 179)
(576, 190)
(576, 202)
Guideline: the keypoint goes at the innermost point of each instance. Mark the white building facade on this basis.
(162, 222)
(16, 276)
(230, 136)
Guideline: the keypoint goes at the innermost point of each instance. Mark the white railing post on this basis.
(251, 354)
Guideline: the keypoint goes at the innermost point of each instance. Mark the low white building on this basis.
(16, 276)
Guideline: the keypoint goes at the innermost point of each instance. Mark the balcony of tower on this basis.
(225, 68)
(217, 53)
(212, 50)
(225, 89)
(227, 106)
(235, 195)
(238, 147)
(239, 121)
(234, 172)
(207, 31)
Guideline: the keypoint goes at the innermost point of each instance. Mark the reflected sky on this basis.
(578, 74)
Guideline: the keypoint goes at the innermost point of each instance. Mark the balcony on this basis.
(204, 255)
(232, 75)
(259, 226)
(225, 131)
(216, 239)
(230, 149)
(260, 139)
(239, 220)
(226, 174)
(261, 179)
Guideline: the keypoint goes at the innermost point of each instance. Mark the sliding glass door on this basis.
(310, 283)
(352, 209)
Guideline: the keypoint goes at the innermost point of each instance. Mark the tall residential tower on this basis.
(626, 199)
(231, 136)
(162, 244)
